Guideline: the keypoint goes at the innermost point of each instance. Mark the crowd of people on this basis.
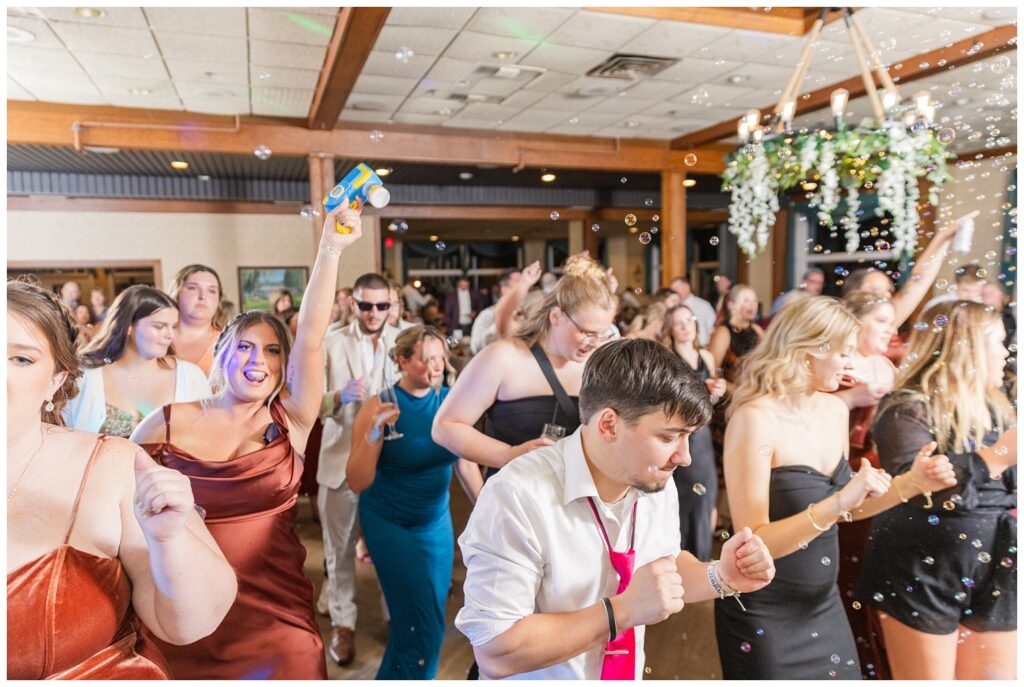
(622, 459)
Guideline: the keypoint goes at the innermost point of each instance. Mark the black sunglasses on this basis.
(367, 307)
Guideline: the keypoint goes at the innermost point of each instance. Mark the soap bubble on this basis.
(877, 596)
(825, 560)
(1000, 64)
(690, 160)
(655, 218)
(440, 245)
(967, 581)
(623, 180)
(985, 557)
(940, 321)
(404, 54)
(309, 211)
(764, 450)
(802, 544)
(630, 219)
(928, 560)
(945, 136)
(452, 342)
(376, 136)
(941, 284)
(555, 215)
(699, 489)
(976, 543)
(948, 505)
(648, 202)
(714, 240)
(263, 152)
(1006, 562)
(856, 605)
(834, 658)
(759, 632)
(654, 230)
(882, 245)
(1002, 450)
(920, 326)
(745, 647)
(960, 596)
(645, 238)
(933, 519)
(595, 227)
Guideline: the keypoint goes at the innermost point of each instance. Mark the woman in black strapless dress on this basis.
(697, 483)
(787, 479)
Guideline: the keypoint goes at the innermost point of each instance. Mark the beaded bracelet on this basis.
(720, 586)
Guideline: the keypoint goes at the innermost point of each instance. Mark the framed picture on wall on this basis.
(258, 286)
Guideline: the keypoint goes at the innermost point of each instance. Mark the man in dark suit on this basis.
(461, 307)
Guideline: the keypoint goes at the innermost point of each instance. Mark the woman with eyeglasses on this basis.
(696, 513)
(526, 385)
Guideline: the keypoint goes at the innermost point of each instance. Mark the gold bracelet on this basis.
(902, 498)
(810, 516)
(924, 492)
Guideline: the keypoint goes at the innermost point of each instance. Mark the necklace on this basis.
(17, 482)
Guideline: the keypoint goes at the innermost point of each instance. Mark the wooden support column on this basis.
(673, 225)
(590, 237)
(576, 230)
(320, 182)
(780, 239)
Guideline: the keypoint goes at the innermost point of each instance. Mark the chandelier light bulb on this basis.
(752, 118)
(757, 134)
(928, 113)
(743, 131)
(922, 99)
(788, 110)
(839, 100)
(890, 99)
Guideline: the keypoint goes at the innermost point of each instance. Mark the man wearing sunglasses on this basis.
(355, 360)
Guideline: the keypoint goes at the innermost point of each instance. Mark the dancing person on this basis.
(526, 385)
(787, 479)
(86, 322)
(198, 292)
(99, 538)
(403, 504)
(941, 569)
(98, 303)
(969, 283)
(738, 333)
(241, 449)
(130, 367)
(703, 311)
(926, 267)
(572, 549)
(356, 363)
(697, 513)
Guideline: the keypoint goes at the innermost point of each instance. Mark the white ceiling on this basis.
(266, 61)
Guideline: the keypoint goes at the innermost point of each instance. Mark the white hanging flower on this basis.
(850, 222)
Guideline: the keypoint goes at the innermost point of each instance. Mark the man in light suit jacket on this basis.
(356, 356)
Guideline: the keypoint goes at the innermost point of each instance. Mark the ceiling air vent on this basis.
(632, 67)
(492, 83)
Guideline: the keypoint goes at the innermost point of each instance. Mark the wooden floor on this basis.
(681, 648)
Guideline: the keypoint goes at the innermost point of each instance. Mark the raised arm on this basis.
(926, 268)
(306, 364)
(513, 297)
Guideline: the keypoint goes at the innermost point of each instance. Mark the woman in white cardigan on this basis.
(129, 366)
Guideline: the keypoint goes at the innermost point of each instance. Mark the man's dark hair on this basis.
(635, 377)
(371, 280)
(506, 274)
(969, 274)
(855, 279)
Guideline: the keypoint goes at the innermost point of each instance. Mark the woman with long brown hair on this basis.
(198, 292)
(99, 538)
(130, 366)
(941, 569)
(242, 450)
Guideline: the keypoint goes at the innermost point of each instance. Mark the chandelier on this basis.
(887, 155)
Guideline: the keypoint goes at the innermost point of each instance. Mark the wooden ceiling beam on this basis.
(33, 123)
(355, 33)
(990, 43)
(790, 21)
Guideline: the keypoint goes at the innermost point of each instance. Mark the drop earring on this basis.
(48, 406)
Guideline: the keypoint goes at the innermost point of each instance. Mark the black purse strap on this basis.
(561, 396)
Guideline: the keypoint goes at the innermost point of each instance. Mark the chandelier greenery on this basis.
(887, 155)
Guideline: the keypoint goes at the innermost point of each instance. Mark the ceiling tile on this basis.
(599, 30)
(381, 63)
(21, 58)
(290, 26)
(422, 40)
(617, 132)
(759, 75)
(205, 90)
(473, 46)
(673, 39)
(431, 106)
(753, 97)
(532, 23)
(564, 102)
(574, 130)
(122, 85)
(210, 72)
(350, 115)
(523, 98)
(447, 69)
(565, 58)
(112, 16)
(488, 111)
(57, 94)
(432, 87)
(541, 116)
(656, 88)
(110, 39)
(16, 92)
(282, 76)
(280, 110)
(163, 101)
(997, 16)
(100, 64)
(264, 97)
(42, 83)
(187, 46)
(751, 45)
(384, 85)
(551, 81)
(698, 69)
(277, 54)
(470, 123)
(374, 102)
(712, 94)
(623, 105)
(44, 36)
(524, 126)
(423, 119)
(596, 86)
(439, 17)
(212, 21)
(492, 86)
(224, 106)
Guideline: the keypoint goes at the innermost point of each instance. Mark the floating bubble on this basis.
(376, 136)
(654, 230)
(960, 596)
(555, 215)
(957, 499)
(945, 136)
(422, 662)
(877, 596)
(984, 557)
(263, 152)
(825, 560)
(648, 202)
(690, 160)
(941, 284)
(655, 218)
(996, 592)
(404, 54)
(595, 227)
(452, 342)
(714, 240)
(933, 519)
(882, 245)
(920, 326)
(856, 605)
(1002, 450)
(976, 543)
(962, 536)
(745, 647)
(824, 348)
(940, 321)
(699, 489)
(967, 581)
(948, 505)
(832, 673)
(759, 632)
(645, 237)
(834, 658)
(764, 450)
(647, 670)
(309, 211)
(1000, 64)
(802, 544)
(440, 245)
(724, 535)
(814, 635)
(928, 560)
(630, 219)
(623, 180)
(1006, 562)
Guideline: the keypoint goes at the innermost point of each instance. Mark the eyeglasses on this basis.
(367, 307)
(588, 336)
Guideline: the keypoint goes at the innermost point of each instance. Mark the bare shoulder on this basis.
(833, 405)
(504, 350)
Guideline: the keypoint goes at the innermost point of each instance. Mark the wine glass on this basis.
(387, 395)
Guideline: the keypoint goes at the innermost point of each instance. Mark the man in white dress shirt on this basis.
(542, 598)
(700, 308)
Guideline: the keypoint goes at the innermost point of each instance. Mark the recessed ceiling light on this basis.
(547, 177)
(444, 111)
(89, 12)
(179, 164)
(369, 105)
(139, 91)
(203, 177)
(961, 102)
(263, 75)
(102, 150)
(738, 78)
(433, 237)
(514, 237)
(689, 183)
(16, 35)
(504, 54)
(632, 124)
(465, 176)
(383, 171)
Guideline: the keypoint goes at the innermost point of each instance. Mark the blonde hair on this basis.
(731, 298)
(946, 368)
(654, 311)
(583, 284)
(666, 328)
(863, 303)
(813, 326)
(228, 340)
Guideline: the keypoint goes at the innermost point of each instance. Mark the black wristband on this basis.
(612, 631)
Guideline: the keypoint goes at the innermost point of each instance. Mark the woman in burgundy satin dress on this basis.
(242, 451)
(85, 566)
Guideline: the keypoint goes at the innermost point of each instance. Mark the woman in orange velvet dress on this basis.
(99, 538)
(242, 451)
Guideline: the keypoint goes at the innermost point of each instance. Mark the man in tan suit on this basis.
(356, 356)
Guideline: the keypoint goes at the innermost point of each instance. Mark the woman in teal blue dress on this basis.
(403, 503)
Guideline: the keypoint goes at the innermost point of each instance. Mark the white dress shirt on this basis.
(465, 307)
(705, 315)
(532, 545)
(484, 331)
